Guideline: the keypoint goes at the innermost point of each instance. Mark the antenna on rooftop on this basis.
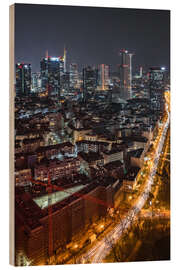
(65, 58)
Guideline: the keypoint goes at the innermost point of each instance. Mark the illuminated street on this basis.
(91, 134)
(102, 248)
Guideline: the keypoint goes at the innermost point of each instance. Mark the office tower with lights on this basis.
(103, 77)
(65, 82)
(44, 73)
(23, 79)
(64, 59)
(156, 88)
(50, 75)
(90, 81)
(73, 73)
(61, 65)
(140, 72)
(36, 81)
(90, 78)
(125, 73)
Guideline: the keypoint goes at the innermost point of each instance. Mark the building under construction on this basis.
(40, 232)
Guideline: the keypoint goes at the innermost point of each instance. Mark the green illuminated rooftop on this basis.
(56, 197)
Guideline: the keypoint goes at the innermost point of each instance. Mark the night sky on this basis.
(91, 35)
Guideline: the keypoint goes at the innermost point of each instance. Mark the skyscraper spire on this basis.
(46, 53)
(64, 59)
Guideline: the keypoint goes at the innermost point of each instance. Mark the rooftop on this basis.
(113, 151)
(53, 198)
(136, 153)
(92, 142)
(135, 139)
(91, 156)
(113, 165)
(56, 146)
(132, 173)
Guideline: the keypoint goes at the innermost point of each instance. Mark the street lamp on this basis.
(150, 203)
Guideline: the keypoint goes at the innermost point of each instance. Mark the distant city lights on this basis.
(54, 58)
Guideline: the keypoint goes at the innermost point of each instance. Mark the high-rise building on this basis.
(61, 65)
(125, 72)
(140, 72)
(73, 73)
(50, 74)
(90, 78)
(44, 73)
(103, 80)
(23, 79)
(156, 88)
(65, 81)
(64, 59)
(35, 81)
(90, 81)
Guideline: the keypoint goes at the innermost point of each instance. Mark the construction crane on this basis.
(50, 221)
(51, 188)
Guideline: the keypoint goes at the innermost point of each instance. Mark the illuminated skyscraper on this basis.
(50, 74)
(141, 72)
(65, 81)
(156, 88)
(73, 73)
(90, 81)
(36, 81)
(125, 71)
(64, 59)
(23, 79)
(103, 74)
(90, 78)
(61, 65)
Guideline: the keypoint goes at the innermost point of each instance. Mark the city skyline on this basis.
(91, 135)
(91, 35)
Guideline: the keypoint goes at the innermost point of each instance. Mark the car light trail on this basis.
(97, 253)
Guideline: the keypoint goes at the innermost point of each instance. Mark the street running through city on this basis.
(98, 252)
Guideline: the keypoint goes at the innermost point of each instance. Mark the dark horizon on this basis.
(92, 35)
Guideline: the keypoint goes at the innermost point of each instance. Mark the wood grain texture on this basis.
(11, 137)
